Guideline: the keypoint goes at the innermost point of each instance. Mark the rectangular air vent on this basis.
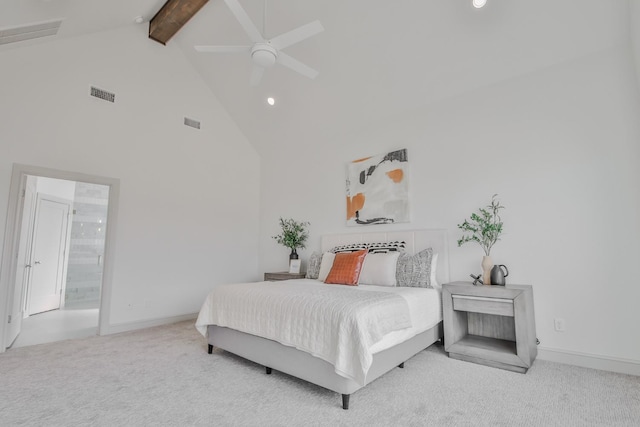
(103, 94)
(28, 32)
(193, 123)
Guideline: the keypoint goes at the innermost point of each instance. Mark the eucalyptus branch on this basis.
(294, 234)
(485, 228)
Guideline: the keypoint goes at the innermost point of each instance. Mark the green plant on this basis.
(485, 228)
(294, 234)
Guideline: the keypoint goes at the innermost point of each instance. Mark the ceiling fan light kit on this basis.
(267, 52)
(264, 55)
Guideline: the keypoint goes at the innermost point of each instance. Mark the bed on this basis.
(279, 354)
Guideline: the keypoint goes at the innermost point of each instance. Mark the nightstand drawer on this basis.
(486, 305)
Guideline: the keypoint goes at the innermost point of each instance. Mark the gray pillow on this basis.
(313, 268)
(415, 271)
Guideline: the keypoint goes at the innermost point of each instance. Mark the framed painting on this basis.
(377, 189)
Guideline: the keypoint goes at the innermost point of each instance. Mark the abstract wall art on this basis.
(378, 190)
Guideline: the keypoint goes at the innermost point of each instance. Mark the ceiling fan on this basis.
(266, 52)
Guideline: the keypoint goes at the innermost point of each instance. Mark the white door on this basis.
(48, 254)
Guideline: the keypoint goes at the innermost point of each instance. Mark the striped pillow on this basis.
(377, 248)
(349, 248)
(398, 246)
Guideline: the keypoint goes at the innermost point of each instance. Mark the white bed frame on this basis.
(302, 365)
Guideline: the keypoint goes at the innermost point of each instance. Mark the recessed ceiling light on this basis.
(479, 3)
(271, 101)
(138, 20)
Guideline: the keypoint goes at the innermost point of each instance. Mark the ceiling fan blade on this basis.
(245, 21)
(295, 36)
(296, 65)
(256, 75)
(222, 49)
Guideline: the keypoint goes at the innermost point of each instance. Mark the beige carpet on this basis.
(164, 377)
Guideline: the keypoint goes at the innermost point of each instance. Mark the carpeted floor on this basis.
(163, 376)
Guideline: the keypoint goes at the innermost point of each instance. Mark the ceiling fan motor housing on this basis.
(264, 55)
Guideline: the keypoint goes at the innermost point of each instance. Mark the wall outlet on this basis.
(559, 324)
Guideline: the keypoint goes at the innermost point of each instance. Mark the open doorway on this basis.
(74, 294)
(63, 235)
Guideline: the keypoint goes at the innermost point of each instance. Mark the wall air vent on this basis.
(28, 32)
(103, 94)
(193, 123)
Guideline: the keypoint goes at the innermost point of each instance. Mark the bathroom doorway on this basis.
(64, 264)
(77, 278)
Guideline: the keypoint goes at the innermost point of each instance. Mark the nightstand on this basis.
(490, 325)
(274, 277)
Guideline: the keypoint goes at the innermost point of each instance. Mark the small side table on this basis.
(274, 277)
(490, 325)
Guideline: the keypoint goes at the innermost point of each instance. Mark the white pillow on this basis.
(434, 264)
(379, 269)
(325, 265)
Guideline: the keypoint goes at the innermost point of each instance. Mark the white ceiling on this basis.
(376, 58)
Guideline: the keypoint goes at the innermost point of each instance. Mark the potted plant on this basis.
(485, 229)
(294, 235)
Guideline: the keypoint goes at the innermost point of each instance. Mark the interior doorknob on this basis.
(37, 262)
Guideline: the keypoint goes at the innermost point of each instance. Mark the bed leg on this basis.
(210, 350)
(401, 366)
(345, 401)
(268, 370)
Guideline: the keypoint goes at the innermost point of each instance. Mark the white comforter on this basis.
(338, 324)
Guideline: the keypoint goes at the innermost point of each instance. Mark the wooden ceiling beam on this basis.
(171, 17)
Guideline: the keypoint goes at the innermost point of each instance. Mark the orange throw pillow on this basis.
(346, 268)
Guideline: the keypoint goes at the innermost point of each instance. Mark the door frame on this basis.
(12, 240)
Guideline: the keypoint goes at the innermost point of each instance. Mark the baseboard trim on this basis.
(593, 361)
(134, 326)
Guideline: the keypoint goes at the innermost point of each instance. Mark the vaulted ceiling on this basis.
(376, 58)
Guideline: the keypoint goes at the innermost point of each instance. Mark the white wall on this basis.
(634, 33)
(56, 187)
(559, 146)
(188, 211)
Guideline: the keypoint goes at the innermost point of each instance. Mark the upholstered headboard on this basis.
(416, 241)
